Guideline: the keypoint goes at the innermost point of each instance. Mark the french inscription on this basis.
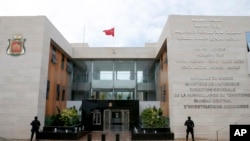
(213, 93)
(238, 106)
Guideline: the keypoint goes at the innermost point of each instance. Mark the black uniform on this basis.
(35, 127)
(190, 128)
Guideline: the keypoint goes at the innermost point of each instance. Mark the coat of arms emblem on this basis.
(16, 45)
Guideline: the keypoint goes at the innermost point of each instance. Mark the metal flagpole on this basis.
(83, 38)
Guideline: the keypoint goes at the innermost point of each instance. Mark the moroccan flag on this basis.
(110, 31)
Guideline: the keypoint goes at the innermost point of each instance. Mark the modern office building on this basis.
(199, 67)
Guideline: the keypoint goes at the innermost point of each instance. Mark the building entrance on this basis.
(116, 119)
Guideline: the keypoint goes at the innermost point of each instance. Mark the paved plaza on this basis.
(109, 136)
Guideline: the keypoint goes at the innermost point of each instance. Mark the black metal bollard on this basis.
(89, 137)
(117, 137)
(103, 137)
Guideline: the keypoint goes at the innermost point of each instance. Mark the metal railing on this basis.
(227, 126)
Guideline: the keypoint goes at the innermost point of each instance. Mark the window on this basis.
(53, 57)
(47, 92)
(57, 92)
(103, 70)
(124, 70)
(123, 75)
(62, 64)
(63, 94)
(121, 94)
(163, 88)
(97, 117)
(69, 67)
(145, 71)
(106, 75)
(139, 76)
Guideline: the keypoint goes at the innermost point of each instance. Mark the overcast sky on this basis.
(136, 22)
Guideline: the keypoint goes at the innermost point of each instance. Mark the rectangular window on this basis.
(124, 69)
(163, 92)
(97, 117)
(123, 75)
(69, 67)
(103, 70)
(57, 92)
(63, 94)
(62, 64)
(53, 57)
(47, 92)
(139, 76)
(106, 75)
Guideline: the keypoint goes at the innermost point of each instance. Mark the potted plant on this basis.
(69, 116)
(154, 126)
(152, 118)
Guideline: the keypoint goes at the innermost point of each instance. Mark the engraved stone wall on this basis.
(208, 73)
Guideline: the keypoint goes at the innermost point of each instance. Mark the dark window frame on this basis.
(47, 90)
(69, 67)
(63, 95)
(57, 92)
(53, 56)
(62, 63)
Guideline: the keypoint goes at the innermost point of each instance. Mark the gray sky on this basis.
(136, 22)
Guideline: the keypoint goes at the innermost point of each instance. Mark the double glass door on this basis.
(116, 119)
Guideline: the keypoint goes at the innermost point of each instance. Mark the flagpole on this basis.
(83, 38)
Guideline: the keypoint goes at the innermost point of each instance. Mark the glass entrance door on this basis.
(116, 119)
(107, 120)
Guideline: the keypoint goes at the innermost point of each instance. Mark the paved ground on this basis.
(110, 136)
(4, 139)
(124, 136)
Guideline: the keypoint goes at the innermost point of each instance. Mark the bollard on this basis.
(89, 137)
(117, 137)
(103, 137)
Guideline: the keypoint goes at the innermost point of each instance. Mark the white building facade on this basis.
(208, 71)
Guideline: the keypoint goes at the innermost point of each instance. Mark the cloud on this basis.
(136, 22)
